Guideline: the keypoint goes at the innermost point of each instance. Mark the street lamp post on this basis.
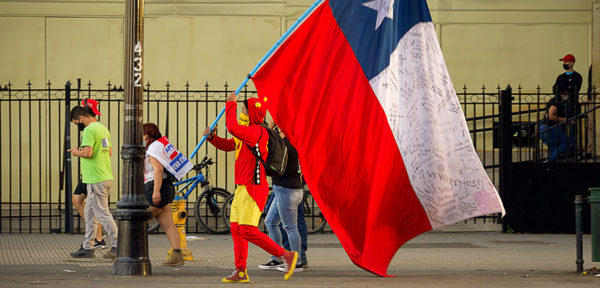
(132, 210)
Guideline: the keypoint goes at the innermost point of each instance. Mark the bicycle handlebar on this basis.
(206, 161)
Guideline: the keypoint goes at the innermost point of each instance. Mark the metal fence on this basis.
(526, 112)
(32, 198)
(533, 133)
(32, 129)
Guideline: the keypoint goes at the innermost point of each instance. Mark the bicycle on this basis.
(209, 204)
(227, 212)
(315, 221)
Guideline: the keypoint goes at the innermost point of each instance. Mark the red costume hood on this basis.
(257, 110)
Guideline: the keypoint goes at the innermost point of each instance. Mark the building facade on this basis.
(484, 42)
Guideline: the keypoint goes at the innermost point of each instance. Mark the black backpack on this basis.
(276, 157)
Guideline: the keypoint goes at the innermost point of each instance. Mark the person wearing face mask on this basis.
(252, 187)
(570, 79)
(554, 131)
(96, 173)
(163, 157)
(80, 192)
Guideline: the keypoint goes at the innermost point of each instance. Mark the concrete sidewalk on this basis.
(434, 259)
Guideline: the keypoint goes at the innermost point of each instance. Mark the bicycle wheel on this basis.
(261, 222)
(208, 211)
(315, 222)
(152, 225)
(227, 210)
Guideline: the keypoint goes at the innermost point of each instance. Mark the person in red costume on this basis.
(252, 187)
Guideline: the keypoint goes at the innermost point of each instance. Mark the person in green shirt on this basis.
(96, 173)
(80, 192)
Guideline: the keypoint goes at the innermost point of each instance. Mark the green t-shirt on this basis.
(97, 168)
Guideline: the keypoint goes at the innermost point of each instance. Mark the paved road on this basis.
(435, 259)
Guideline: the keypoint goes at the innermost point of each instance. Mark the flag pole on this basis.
(260, 63)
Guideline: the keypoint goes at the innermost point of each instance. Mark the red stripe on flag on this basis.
(321, 99)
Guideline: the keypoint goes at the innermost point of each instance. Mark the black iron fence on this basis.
(529, 124)
(529, 135)
(31, 158)
(548, 156)
(540, 137)
(32, 129)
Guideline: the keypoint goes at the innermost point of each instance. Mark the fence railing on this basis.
(32, 130)
(528, 109)
(33, 138)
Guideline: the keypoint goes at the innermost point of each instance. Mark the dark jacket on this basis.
(292, 177)
(564, 109)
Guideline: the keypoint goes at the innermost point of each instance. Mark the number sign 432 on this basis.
(137, 65)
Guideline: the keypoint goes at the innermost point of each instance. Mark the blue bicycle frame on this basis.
(191, 183)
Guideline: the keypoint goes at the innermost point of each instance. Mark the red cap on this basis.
(93, 104)
(568, 57)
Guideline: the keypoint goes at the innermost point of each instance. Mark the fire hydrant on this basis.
(179, 218)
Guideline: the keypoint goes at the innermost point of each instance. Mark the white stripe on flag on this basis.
(431, 132)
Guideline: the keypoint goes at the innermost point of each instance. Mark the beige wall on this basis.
(203, 49)
(512, 42)
(196, 41)
(484, 42)
(88, 48)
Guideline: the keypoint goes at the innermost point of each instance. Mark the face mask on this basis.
(244, 120)
(80, 126)
(566, 66)
(144, 143)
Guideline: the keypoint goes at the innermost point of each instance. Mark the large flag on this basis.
(362, 91)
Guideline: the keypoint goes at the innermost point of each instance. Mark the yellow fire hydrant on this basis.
(179, 218)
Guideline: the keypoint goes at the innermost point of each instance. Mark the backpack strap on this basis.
(257, 156)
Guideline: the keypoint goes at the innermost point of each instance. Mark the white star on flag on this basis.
(384, 9)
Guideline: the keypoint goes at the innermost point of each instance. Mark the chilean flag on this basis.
(361, 89)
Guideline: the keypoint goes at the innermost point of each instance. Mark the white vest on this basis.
(170, 158)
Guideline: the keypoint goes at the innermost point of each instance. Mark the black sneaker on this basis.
(299, 268)
(82, 253)
(304, 263)
(271, 265)
(99, 244)
(112, 254)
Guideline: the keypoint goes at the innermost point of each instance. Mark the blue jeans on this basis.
(302, 228)
(557, 141)
(303, 234)
(284, 210)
